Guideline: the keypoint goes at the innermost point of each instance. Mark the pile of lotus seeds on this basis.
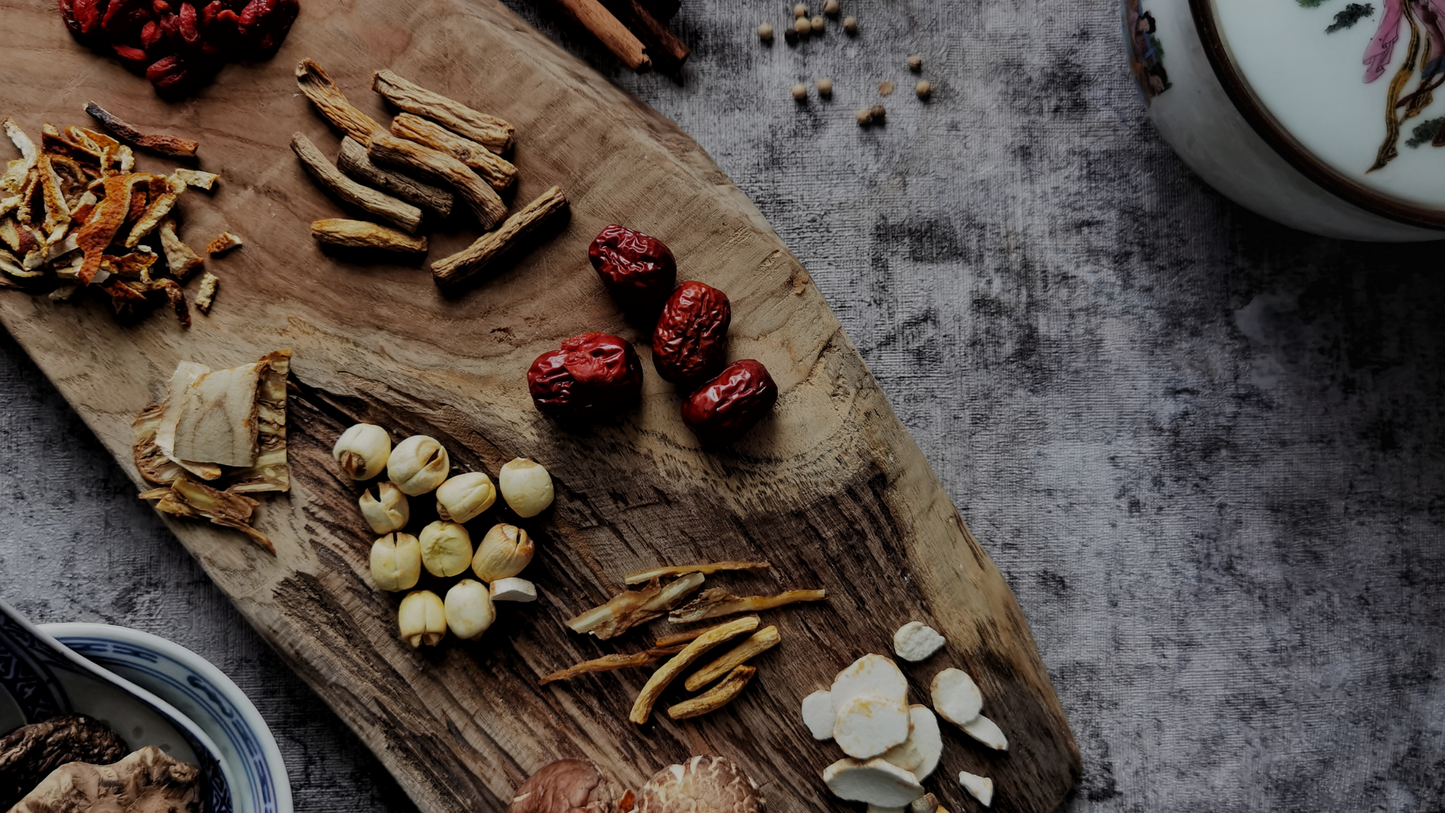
(418, 466)
(804, 26)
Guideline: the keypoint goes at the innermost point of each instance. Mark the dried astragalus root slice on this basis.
(270, 470)
(642, 707)
(979, 787)
(716, 602)
(956, 697)
(677, 570)
(630, 608)
(919, 753)
(188, 498)
(818, 715)
(876, 782)
(715, 698)
(987, 732)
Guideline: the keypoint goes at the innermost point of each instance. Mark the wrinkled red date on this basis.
(689, 344)
(639, 271)
(725, 408)
(591, 375)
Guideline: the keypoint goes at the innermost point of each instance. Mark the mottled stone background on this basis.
(1208, 453)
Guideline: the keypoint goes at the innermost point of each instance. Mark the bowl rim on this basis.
(212, 673)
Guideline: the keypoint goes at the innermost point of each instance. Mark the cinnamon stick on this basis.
(663, 47)
(518, 229)
(610, 31)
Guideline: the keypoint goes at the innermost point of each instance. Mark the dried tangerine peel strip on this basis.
(705, 568)
(760, 642)
(716, 697)
(105, 221)
(717, 602)
(642, 708)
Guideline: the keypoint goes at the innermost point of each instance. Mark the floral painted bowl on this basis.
(40, 678)
(1319, 114)
(204, 694)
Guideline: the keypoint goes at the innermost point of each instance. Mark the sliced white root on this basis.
(513, 589)
(979, 787)
(919, 753)
(987, 732)
(868, 726)
(916, 641)
(876, 782)
(870, 675)
(927, 803)
(818, 714)
(956, 697)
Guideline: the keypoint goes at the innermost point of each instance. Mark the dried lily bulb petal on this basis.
(417, 465)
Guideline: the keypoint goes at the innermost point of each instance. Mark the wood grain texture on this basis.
(831, 488)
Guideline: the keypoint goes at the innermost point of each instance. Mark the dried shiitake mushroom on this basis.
(565, 786)
(714, 784)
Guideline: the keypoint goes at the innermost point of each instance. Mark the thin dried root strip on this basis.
(521, 227)
(610, 663)
(677, 570)
(174, 146)
(206, 294)
(684, 636)
(716, 697)
(642, 708)
(187, 498)
(365, 198)
(494, 169)
(361, 234)
(489, 131)
(717, 602)
(761, 641)
(331, 103)
(353, 162)
(630, 608)
(388, 150)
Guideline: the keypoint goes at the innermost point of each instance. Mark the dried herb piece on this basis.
(188, 498)
(361, 234)
(174, 146)
(353, 161)
(521, 228)
(206, 293)
(610, 663)
(317, 86)
(642, 707)
(632, 607)
(760, 642)
(716, 602)
(716, 697)
(365, 198)
(677, 570)
(489, 131)
(497, 171)
(388, 150)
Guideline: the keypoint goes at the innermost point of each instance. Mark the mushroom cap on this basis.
(714, 784)
(565, 786)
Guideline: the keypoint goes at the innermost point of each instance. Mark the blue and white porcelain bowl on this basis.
(41, 678)
(201, 692)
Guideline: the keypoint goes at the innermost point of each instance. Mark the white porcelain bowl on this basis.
(201, 692)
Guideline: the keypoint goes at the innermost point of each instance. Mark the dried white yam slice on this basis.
(876, 782)
(868, 726)
(916, 641)
(987, 732)
(513, 589)
(870, 675)
(818, 714)
(979, 787)
(927, 803)
(956, 697)
(919, 753)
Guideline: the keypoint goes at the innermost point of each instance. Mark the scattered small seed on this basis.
(877, 113)
(825, 87)
(830, 8)
(765, 32)
(800, 10)
(915, 63)
(864, 116)
(802, 26)
(790, 36)
(818, 24)
(923, 88)
(850, 24)
(800, 92)
(885, 88)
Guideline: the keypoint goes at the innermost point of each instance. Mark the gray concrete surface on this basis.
(1209, 454)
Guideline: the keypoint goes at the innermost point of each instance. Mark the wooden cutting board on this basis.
(831, 489)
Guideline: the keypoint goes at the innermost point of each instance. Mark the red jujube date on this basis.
(639, 271)
(592, 374)
(689, 344)
(725, 408)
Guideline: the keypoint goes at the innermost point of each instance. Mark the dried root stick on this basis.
(706, 568)
(685, 636)
(716, 697)
(173, 146)
(610, 663)
(365, 198)
(317, 86)
(388, 150)
(642, 708)
(493, 168)
(761, 641)
(519, 228)
(489, 131)
(361, 234)
(353, 162)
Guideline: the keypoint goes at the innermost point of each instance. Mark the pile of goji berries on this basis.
(176, 45)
